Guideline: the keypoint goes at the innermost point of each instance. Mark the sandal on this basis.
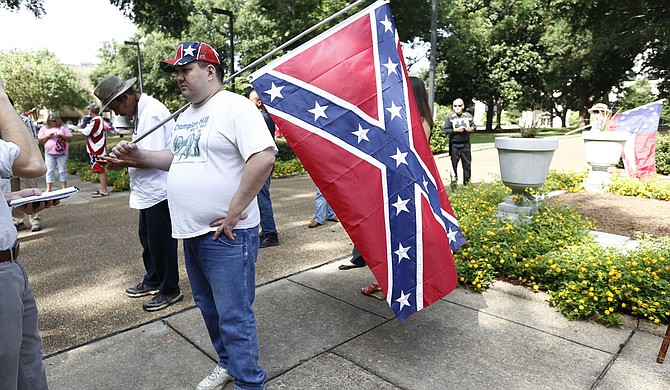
(99, 194)
(373, 290)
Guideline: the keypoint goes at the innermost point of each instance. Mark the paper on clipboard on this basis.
(46, 196)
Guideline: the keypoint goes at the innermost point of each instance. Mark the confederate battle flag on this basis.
(344, 104)
(639, 152)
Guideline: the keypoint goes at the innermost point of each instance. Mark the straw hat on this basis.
(111, 88)
(602, 107)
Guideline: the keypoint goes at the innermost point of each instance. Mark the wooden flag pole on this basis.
(664, 347)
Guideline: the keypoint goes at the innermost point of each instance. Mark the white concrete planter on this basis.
(524, 162)
(603, 150)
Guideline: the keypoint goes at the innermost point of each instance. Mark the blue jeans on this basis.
(265, 207)
(223, 281)
(323, 210)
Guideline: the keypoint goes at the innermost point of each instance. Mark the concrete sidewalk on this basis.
(317, 331)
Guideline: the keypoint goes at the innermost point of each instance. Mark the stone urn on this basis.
(524, 163)
(603, 150)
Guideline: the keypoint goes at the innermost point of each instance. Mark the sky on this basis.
(66, 29)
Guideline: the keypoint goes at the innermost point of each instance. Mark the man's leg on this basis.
(35, 219)
(151, 277)
(268, 229)
(455, 158)
(162, 248)
(320, 214)
(21, 364)
(222, 275)
(466, 158)
(103, 181)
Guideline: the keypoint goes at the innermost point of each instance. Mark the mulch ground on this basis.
(623, 215)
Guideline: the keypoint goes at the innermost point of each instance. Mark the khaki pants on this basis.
(16, 185)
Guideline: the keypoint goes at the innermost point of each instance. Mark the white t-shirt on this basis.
(211, 145)
(8, 153)
(147, 185)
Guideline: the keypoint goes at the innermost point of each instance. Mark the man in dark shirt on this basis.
(458, 127)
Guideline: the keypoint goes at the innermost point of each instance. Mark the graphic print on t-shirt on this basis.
(186, 141)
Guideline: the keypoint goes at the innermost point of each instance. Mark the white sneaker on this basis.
(215, 380)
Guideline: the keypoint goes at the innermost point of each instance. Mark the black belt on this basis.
(11, 253)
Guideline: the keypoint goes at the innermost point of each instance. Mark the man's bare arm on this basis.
(29, 164)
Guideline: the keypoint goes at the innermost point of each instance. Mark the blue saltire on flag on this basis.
(639, 152)
(344, 104)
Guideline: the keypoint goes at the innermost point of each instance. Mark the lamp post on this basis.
(139, 61)
(232, 45)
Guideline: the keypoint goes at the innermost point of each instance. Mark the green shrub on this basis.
(554, 252)
(503, 248)
(654, 188)
(439, 142)
(590, 281)
(570, 181)
(77, 149)
(287, 168)
(285, 152)
(663, 155)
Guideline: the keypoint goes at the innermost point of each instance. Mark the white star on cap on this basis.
(361, 133)
(318, 111)
(391, 66)
(274, 92)
(189, 50)
(403, 300)
(400, 205)
(394, 110)
(399, 158)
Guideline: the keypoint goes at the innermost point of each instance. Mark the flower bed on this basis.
(555, 253)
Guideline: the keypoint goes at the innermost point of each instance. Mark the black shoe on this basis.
(141, 290)
(20, 226)
(356, 262)
(161, 301)
(269, 239)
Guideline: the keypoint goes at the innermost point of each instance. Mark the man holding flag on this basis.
(344, 104)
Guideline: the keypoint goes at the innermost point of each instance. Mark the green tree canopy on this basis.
(36, 79)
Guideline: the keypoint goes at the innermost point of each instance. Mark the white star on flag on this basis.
(452, 235)
(402, 252)
(400, 205)
(403, 300)
(318, 111)
(391, 66)
(394, 110)
(399, 158)
(274, 92)
(189, 50)
(425, 184)
(387, 23)
(361, 133)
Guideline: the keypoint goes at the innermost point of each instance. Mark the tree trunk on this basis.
(499, 114)
(489, 113)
